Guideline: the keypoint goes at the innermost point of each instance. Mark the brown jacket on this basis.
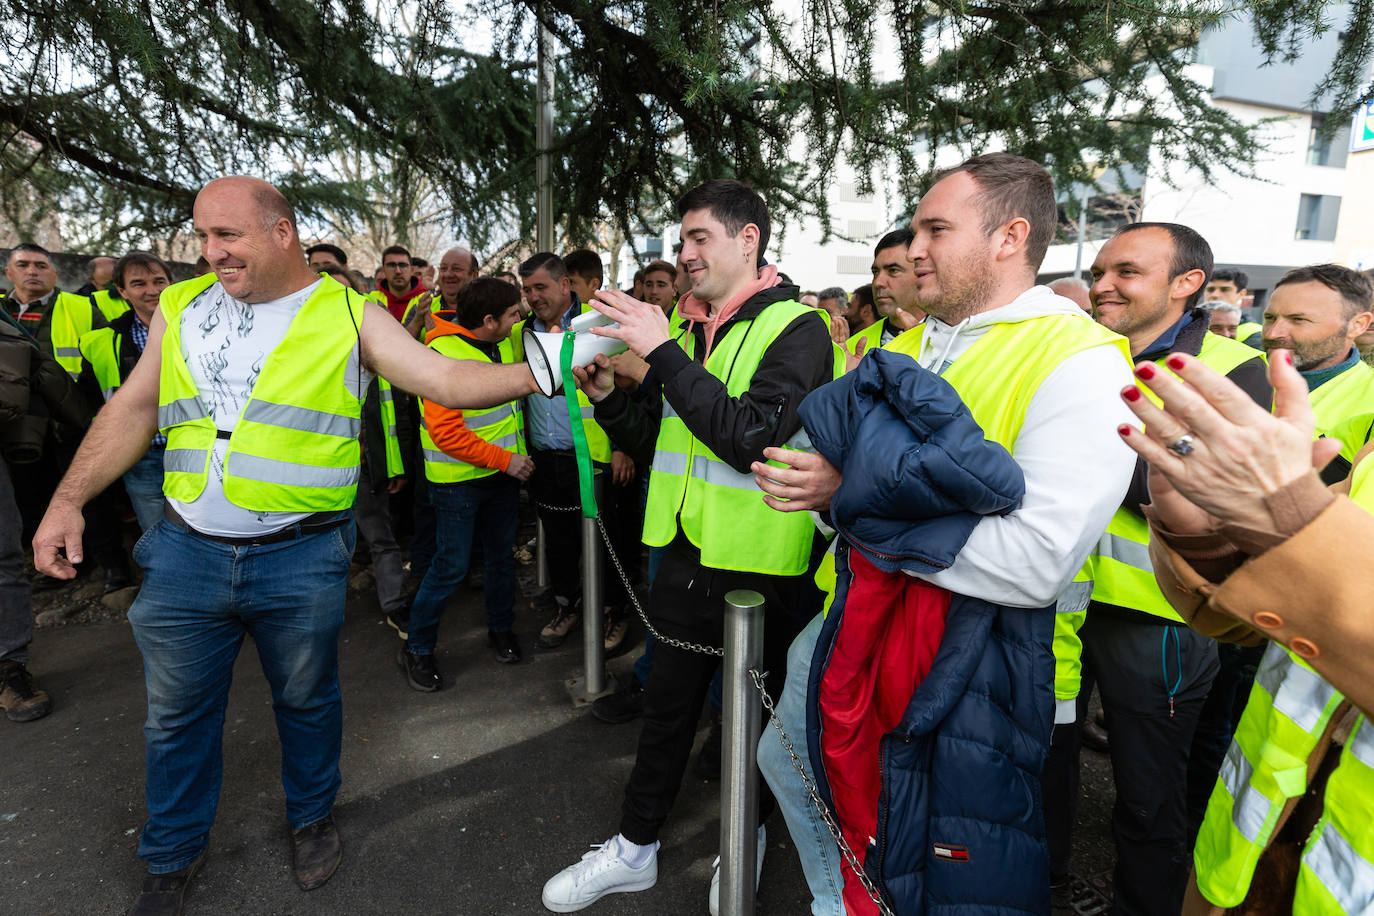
(1310, 592)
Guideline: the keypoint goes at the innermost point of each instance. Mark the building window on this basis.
(848, 192)
(1317, 215)
(1330, 150)
(862, 228)
(851, 265)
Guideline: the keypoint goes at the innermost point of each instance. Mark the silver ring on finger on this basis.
(1182, 446)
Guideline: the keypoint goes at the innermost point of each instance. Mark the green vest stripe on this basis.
(302, 418)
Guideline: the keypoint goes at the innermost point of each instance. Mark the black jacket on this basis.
(737, 430)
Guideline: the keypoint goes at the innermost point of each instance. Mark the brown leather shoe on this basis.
(1095, 737)
(315, 853)
(162, 895)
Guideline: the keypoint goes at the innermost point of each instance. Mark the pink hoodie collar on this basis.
(695, 310)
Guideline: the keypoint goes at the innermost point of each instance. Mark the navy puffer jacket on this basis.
(960, 823)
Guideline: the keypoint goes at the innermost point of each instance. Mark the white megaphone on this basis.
(543, 350)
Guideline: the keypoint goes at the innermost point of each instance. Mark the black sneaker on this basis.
(421, 672)
(20, 698)
(399, 620)
(708, 761)
(505, 646)
(625, 705)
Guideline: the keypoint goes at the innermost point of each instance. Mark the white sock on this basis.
(634, 855)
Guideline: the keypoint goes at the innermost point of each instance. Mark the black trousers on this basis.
(687, 602)
(1139, 666)
(554, 483)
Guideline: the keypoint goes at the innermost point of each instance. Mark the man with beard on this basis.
(1318, 313)
(1154, 673)
(1037, 375)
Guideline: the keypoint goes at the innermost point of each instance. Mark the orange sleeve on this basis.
(453, 438)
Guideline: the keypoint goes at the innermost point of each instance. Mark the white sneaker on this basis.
(714, 901)
(600, 872)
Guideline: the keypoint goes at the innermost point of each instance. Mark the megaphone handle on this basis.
(579, 435)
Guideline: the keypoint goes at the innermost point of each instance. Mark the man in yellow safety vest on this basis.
(733, 365)
(258, 386)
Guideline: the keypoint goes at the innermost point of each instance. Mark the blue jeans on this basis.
(290, 597)
(820, 856)
(462, 510)
(143, 483)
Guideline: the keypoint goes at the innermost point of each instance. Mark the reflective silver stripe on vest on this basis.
(288, 473)
(184, 460)
(180, 411)
(720, 474)
(1299, 693)
(1362, 743)
(668, 410)
(1125, 550)
(302, 418)
(589, 412)
(473, 420)
(1346, 876)
(435, 456)
(1249, 808)
(67, 352)
(386, 393)
(669, 463)
(106, 393)
(1074, 598)
(391, 430)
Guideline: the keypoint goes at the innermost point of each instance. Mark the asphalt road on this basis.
(460, 802)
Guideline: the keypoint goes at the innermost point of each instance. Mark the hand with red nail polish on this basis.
(1145, 371)
(1131, 394)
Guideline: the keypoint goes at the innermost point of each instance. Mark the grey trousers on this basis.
(372, 512)
(16, 601)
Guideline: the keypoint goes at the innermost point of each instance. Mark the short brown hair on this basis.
(1013, 187)
(1354, 287)
(659, 267)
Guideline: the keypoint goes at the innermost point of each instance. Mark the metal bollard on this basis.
(742, 717)
(541, 564)
(593, 645)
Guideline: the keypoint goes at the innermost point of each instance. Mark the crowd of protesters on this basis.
(928, 478)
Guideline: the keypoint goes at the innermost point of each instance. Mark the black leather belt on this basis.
(311, 524)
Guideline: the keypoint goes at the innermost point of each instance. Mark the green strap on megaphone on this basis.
(579, 435)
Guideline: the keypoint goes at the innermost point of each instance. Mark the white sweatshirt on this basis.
(1077, 468)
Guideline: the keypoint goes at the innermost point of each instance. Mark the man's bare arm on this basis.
(462, 384)
(118, 438)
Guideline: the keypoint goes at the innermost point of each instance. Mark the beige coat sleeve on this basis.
(1314, 593)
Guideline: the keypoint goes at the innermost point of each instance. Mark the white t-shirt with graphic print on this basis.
(225, 343)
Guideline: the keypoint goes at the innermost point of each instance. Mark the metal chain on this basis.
(807, 782)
